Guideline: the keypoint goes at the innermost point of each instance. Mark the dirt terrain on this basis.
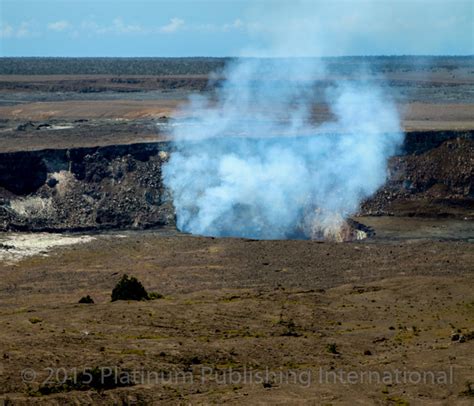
(387, 321)
(416, 116)
(385, 305)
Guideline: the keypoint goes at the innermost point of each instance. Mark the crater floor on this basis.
(382, 304)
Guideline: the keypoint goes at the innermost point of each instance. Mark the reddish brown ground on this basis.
(415, 116)
(295, 307)
(232, 305)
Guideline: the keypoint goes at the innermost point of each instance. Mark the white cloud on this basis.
(21, 31)
(235, 25)
(174, 25)
(59, 25)
(91, 27)
(120, 27)
(6, 30)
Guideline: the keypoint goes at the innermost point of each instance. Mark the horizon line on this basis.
(245, 57)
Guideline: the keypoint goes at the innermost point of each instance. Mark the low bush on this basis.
(129, 288)
(155, 295)
(86, 299)
(332, 348)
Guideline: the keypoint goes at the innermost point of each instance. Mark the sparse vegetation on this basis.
(222, 306)
(397, 401)
(469, 389)
(129, 288)
(86, 300)
(332, 348)
(98, 378)
(290, 327)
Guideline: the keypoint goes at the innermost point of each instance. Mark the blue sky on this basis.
(235, 27)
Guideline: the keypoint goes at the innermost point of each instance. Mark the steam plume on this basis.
(251, 162)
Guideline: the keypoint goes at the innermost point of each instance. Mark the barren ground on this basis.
(233, 304)
(303, 314)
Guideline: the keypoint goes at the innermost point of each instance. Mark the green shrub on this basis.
(86, 299)
(129, 288)
(290, 329)
(155, 295)
(332, 348)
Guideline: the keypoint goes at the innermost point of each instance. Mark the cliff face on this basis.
(433, 178)
(121, 187)
(86, 188)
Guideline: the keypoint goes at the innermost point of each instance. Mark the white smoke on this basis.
(251, 162)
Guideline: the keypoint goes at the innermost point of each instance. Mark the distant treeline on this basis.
(205, 65)
(110, 66)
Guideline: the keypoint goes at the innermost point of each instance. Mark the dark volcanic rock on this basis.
(23, 173)
(438, 181)
(25, 126)
(52, 182)
(84, 188)
(121, 186)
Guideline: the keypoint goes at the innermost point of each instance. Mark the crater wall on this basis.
(120, 186)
